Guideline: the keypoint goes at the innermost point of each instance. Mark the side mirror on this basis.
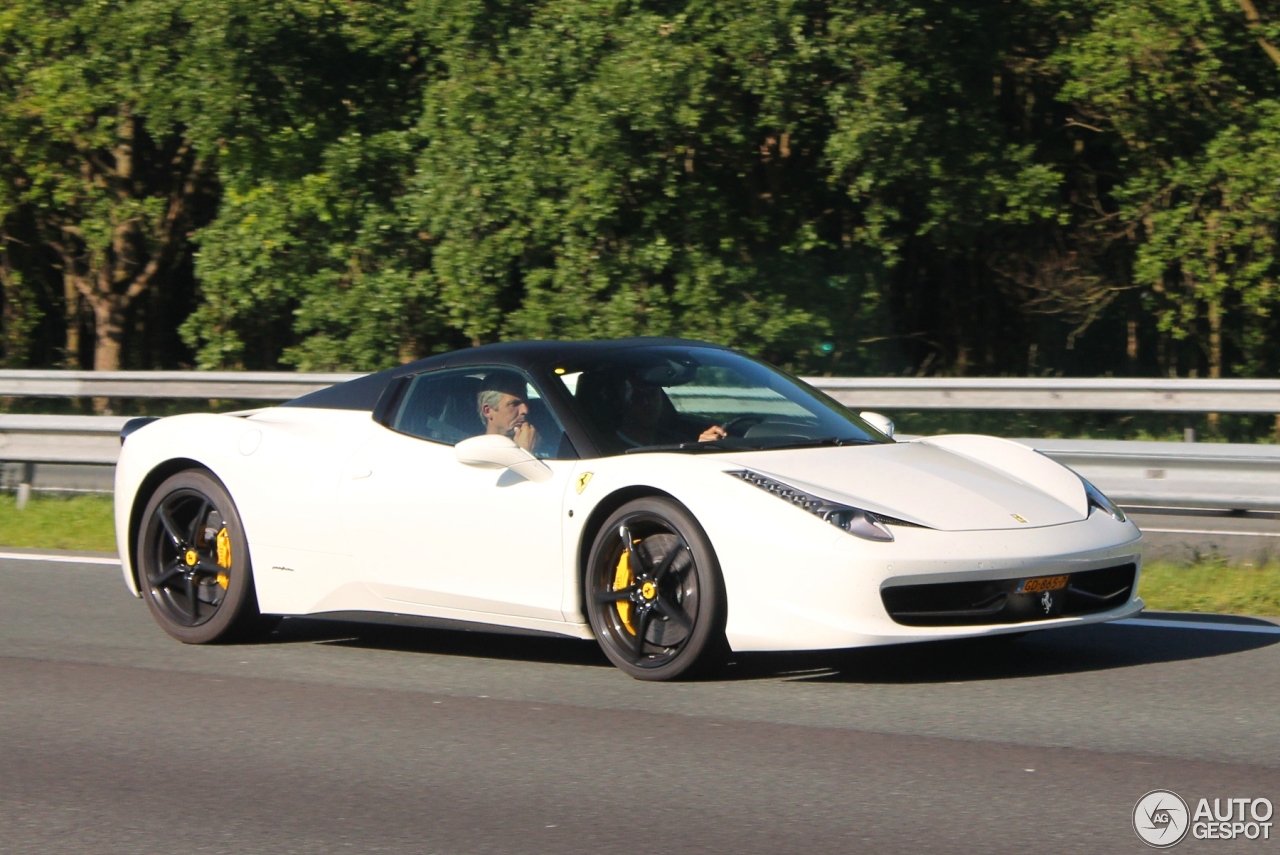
(501, 451)
(884, 424)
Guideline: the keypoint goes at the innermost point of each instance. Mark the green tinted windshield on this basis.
(703, 399)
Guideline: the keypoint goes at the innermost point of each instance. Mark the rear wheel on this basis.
(193, 563)
(655, 597)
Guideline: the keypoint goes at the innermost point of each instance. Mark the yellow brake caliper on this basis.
(224, 556)
(622, 579)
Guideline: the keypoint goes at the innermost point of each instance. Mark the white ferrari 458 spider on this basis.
(671, 499)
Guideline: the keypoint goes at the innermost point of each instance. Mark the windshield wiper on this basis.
(821, 442)
(709, 445)
(738, 445)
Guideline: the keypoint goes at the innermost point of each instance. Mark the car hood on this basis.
(953, 483)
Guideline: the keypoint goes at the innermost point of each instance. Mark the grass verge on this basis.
(1211, 586)
(82, 522)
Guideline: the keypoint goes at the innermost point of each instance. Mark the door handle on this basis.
(359, 472)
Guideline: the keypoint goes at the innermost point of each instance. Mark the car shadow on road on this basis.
(477, 644)
(1048, 652)
(1057, 651)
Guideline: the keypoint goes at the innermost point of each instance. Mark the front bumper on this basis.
(840, 592)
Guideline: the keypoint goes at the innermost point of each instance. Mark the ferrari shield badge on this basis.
(583, 480)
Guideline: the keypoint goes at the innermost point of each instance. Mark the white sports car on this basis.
(670, 499)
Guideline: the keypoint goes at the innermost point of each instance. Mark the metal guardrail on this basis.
(1054, 393)
(1224, 476)
(227, 385)
(29, 440)
(61, 439)
(892, 393)
(1155, 474)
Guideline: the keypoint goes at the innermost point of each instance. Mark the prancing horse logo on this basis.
(1046, 601)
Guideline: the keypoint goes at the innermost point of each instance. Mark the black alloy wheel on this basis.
(193, 562)
(654, 593)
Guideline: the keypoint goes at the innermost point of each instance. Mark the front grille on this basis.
(998, 600)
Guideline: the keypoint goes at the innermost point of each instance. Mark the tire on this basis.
(198, 592)
(667, 620)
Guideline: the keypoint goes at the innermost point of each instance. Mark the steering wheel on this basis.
(739, 426)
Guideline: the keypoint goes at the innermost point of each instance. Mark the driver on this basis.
(642, 412)
(504, 410)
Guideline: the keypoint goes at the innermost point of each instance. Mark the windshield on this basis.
(702, 399)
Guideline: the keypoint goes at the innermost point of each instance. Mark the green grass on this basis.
(82, 522)
(1211, 586)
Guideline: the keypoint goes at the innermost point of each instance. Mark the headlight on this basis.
(1101, 502)
(865, 524)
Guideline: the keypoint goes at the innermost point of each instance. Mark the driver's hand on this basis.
(712, 433)
(526, 436)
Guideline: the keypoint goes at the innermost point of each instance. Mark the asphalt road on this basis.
(342, 738)
(1182, 535)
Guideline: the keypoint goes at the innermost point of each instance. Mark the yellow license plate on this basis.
(1043, 583)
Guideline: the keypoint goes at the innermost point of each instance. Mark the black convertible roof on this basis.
(530, 356)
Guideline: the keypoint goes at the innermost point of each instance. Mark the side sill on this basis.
(424, 622)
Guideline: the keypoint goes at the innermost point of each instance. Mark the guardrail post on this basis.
(24, 486)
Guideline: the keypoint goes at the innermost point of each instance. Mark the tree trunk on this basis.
(71, 317)
(1255, 24)
(12, 336)
(1215, 354)
(108, 322)
(1215, 339)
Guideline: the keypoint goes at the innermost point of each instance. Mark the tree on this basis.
(320, 272)
(1188, 94)
(311, 261)
(838, 185)
(97, 108)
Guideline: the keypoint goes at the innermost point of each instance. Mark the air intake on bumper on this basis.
(1003, 601)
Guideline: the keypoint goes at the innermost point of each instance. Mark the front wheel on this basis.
(193, 563)
(655, 597)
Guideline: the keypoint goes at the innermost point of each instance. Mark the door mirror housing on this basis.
(499, 451)
(884, 424)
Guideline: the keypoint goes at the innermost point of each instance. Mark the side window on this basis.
(441, 406)
(453, 405)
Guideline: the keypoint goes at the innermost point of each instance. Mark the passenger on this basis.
(504, 410)
(642, 417)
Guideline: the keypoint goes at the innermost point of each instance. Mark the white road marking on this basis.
(60, 559)
(1197, 624)
(1212, 531)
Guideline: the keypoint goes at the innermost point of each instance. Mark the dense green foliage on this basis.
(1079, 186)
